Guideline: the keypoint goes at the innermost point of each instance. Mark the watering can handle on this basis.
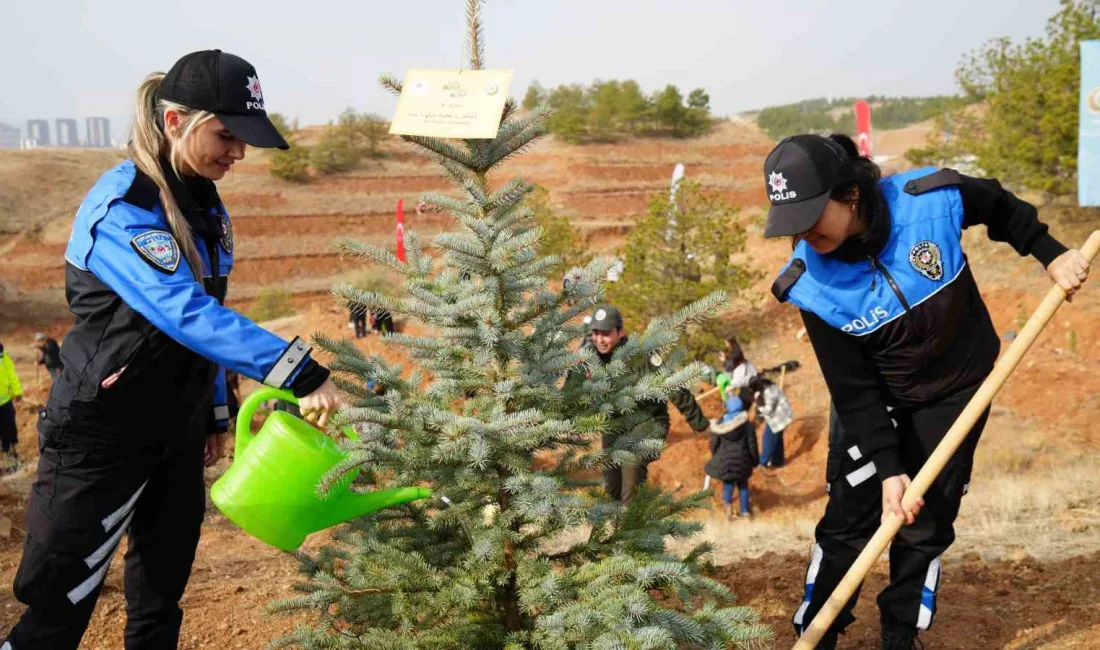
(248, 409)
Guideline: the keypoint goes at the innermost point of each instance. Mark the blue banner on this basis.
(1088, 142)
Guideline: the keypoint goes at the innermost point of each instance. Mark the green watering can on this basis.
(723, 382)
(271, 489)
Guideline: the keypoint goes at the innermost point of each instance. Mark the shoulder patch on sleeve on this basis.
(159, 249)
(933, 181)
(227, 234)
(782, 285)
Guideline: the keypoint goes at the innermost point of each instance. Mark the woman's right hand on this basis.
(893, 489)
(1069, 271)
(318, 405)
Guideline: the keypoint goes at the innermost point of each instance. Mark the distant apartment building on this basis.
(99, 132)
(66, 133)
(38, 132)
(9, 136)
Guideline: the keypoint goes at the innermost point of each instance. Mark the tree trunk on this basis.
(507, 597)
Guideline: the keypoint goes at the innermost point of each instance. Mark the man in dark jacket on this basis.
(607, 334)
(49, 354)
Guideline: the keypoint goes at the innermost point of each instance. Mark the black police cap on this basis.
(228, 86)
(800, 173)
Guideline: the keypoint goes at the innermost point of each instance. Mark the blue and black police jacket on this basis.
(150, 342)
(901, 323)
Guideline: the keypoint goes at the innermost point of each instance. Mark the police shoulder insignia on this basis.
(159, 249)
(656, 360)
(227, 234)
(926, 259)
(781, 288)
(933, 181)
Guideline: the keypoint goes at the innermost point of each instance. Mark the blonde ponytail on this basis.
(148, 143)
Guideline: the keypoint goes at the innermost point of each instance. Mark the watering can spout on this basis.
(353, 505)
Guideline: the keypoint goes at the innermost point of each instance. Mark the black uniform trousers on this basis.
(854, 512)
(9, 430)
(89, 491)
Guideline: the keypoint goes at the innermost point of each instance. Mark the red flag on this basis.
(401, 229)
(863, 127)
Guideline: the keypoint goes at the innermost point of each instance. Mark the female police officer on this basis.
(903, 339)
(142, 398)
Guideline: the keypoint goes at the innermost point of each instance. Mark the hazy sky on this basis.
(317, 57)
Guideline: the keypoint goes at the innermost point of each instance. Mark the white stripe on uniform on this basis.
(110, 545)
(110, 520)
(931, 582)
(287, 363)
(861, 474)
(811, 578)
(83, 589)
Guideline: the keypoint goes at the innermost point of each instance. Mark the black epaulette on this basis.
(933, 181)
(782, 285)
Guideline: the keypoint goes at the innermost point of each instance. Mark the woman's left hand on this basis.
(1069, 270)
(215, 448)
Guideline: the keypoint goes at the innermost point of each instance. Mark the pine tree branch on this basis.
(474, 45)
(509, 109)
(460, 243)
(443, 149)
(363, 301)
(370, 252)
(514, 145)
(444, 203)
(460, 175)
(507, 197)
(362, 592)
(390, 83)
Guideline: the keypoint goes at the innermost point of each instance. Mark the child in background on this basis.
(11, 391)
(773, 406)
(733, 455)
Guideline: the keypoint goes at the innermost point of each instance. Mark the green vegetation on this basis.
(838, 115)
(344, 144)
(1027, 134)
(677, 254)
(559, 237)
(271, 303)
(516, 549)
(608, 110)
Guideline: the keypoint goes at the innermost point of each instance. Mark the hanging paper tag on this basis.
(452, 103)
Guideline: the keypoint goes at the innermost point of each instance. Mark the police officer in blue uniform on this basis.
(141, 403)
(904, 340)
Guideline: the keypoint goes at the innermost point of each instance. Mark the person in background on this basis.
(736, 367)
(381, 321)
(607, 335)
(358, 320)
(48, 354)
(771, 405)
(11, 391)
(733, 455)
